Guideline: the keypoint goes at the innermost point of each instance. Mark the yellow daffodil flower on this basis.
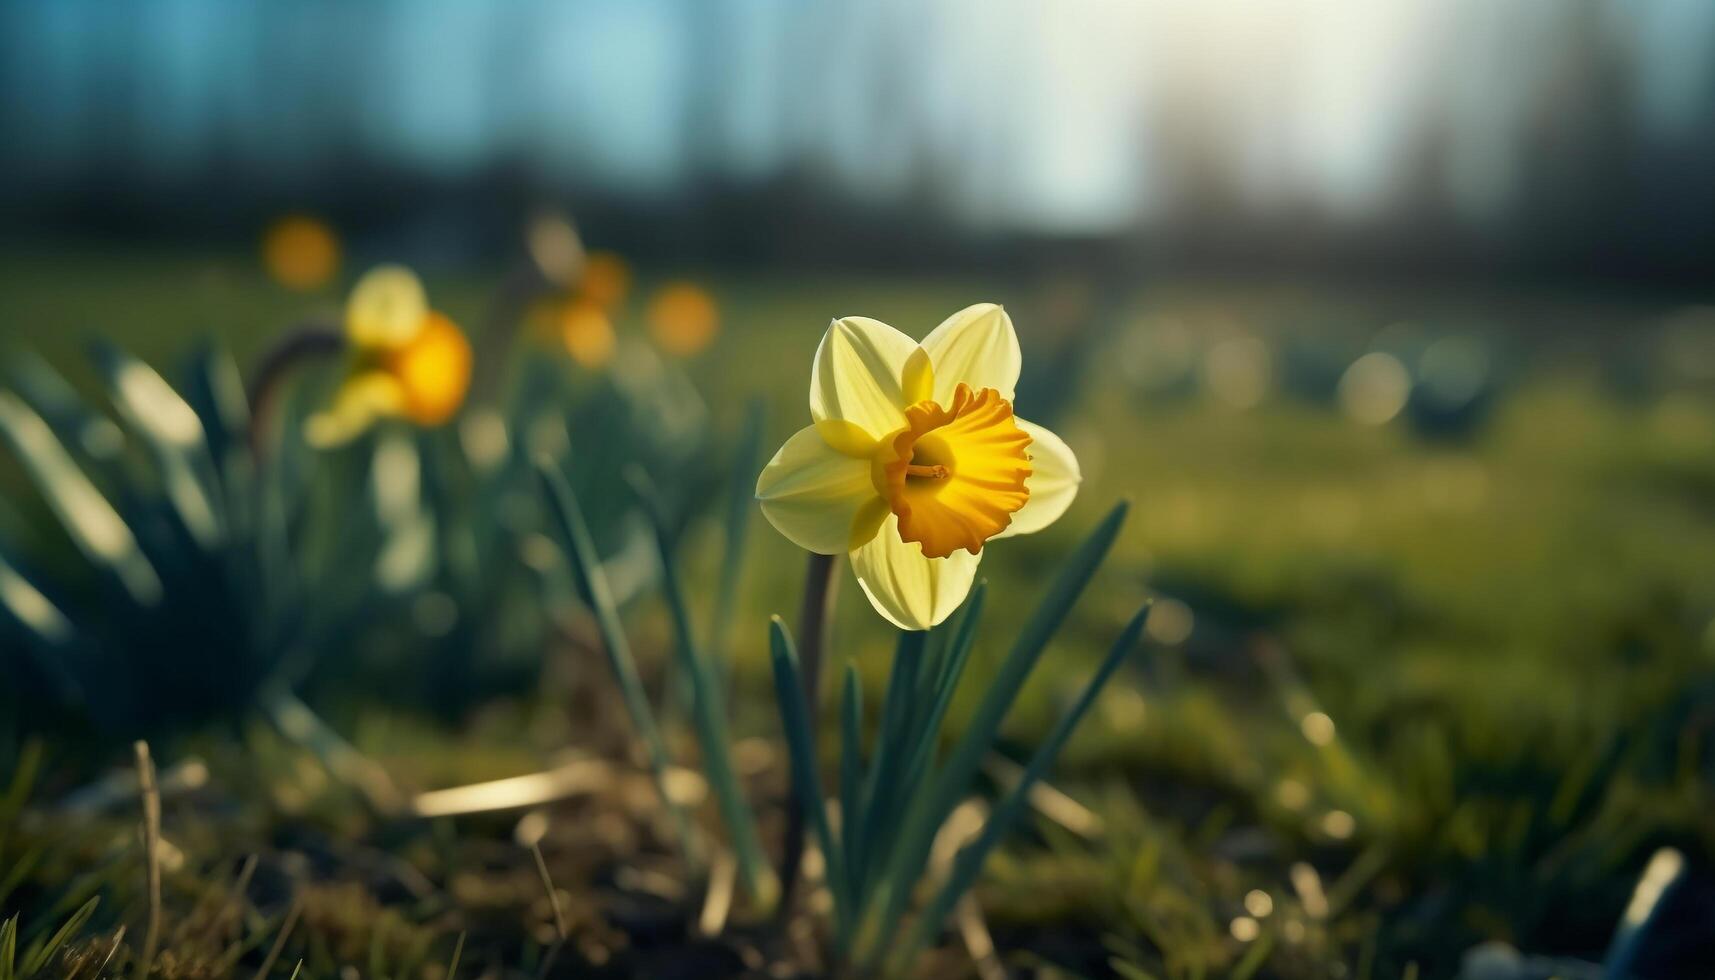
(300, 252)
(606, 279)
(683, 318)
(409, 361)
(587, 333)
(915, 459)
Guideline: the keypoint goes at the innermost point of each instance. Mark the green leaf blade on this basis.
(801, 752)
(970, 859)
(563, 504)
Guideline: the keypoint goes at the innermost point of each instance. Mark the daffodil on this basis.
(683, 318)
(915, 459)
(587, 333)
(408, 361)
(606, 279)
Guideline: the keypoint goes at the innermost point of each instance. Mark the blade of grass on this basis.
(299, 723)
(20, 869)
(707, 710)
(151, 854)
(280, 938)
(94, 526)
(28, 764)
(815, 617)
(563, 502)
(112, 950)
(930, 700)
(1013, 805)
(169, 426)
(894, 888)
(8, 948)
(1666, 869)
(561, 933)
(232, 908)
(920, 758)
(458, 952)
(740, 500)
(717, 900)
(851, 763)
(214, 387)
(877, 816)
(36, 959)
(946, 683)
(1258, 952)
(52, 633)
(806, 774)
(93, 439)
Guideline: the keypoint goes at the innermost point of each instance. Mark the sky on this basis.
(1069, 116)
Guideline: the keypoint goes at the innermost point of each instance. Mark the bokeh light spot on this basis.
(683, 318)
(1374, 388)
(300, 252)
(1239, 372)
(1318, 728)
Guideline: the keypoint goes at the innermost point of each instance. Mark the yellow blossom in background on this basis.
(915, 459)
(587, 333)
(683, 318)
(300, 252)
(433, 369)
(408, 362)
(606, 279)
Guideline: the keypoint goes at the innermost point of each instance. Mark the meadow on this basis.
(1427, 668)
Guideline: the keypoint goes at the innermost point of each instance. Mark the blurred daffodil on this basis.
(300, 252)
(409, 361)
(587, 333)
(683, 318)
(606, 279)
(915, 459)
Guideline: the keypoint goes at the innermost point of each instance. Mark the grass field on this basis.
(1409, 687)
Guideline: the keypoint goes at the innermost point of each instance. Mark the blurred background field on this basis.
(1394, 325)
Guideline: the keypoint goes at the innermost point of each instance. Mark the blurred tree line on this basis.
(1557, 139)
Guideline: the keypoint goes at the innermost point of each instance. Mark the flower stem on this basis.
(815, 616)
(309, 340)
(507, 310)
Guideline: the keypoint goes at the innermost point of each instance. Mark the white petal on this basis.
(856, 377)
(812, 494)
(910, 591)
(976, 346)
(1053, 482)
(386, 308)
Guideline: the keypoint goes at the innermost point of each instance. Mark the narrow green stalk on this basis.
(298, 722)
(41, 952)
(806, 774)
(306, 342)
(878, 816)
(564, 503)
(851, 763)
(740, 502)
(959, 652)
(151, 797)
(8, 948)
(708, 712)
(814, 619)
(970, 858)
(911, 848)
(507, 307)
